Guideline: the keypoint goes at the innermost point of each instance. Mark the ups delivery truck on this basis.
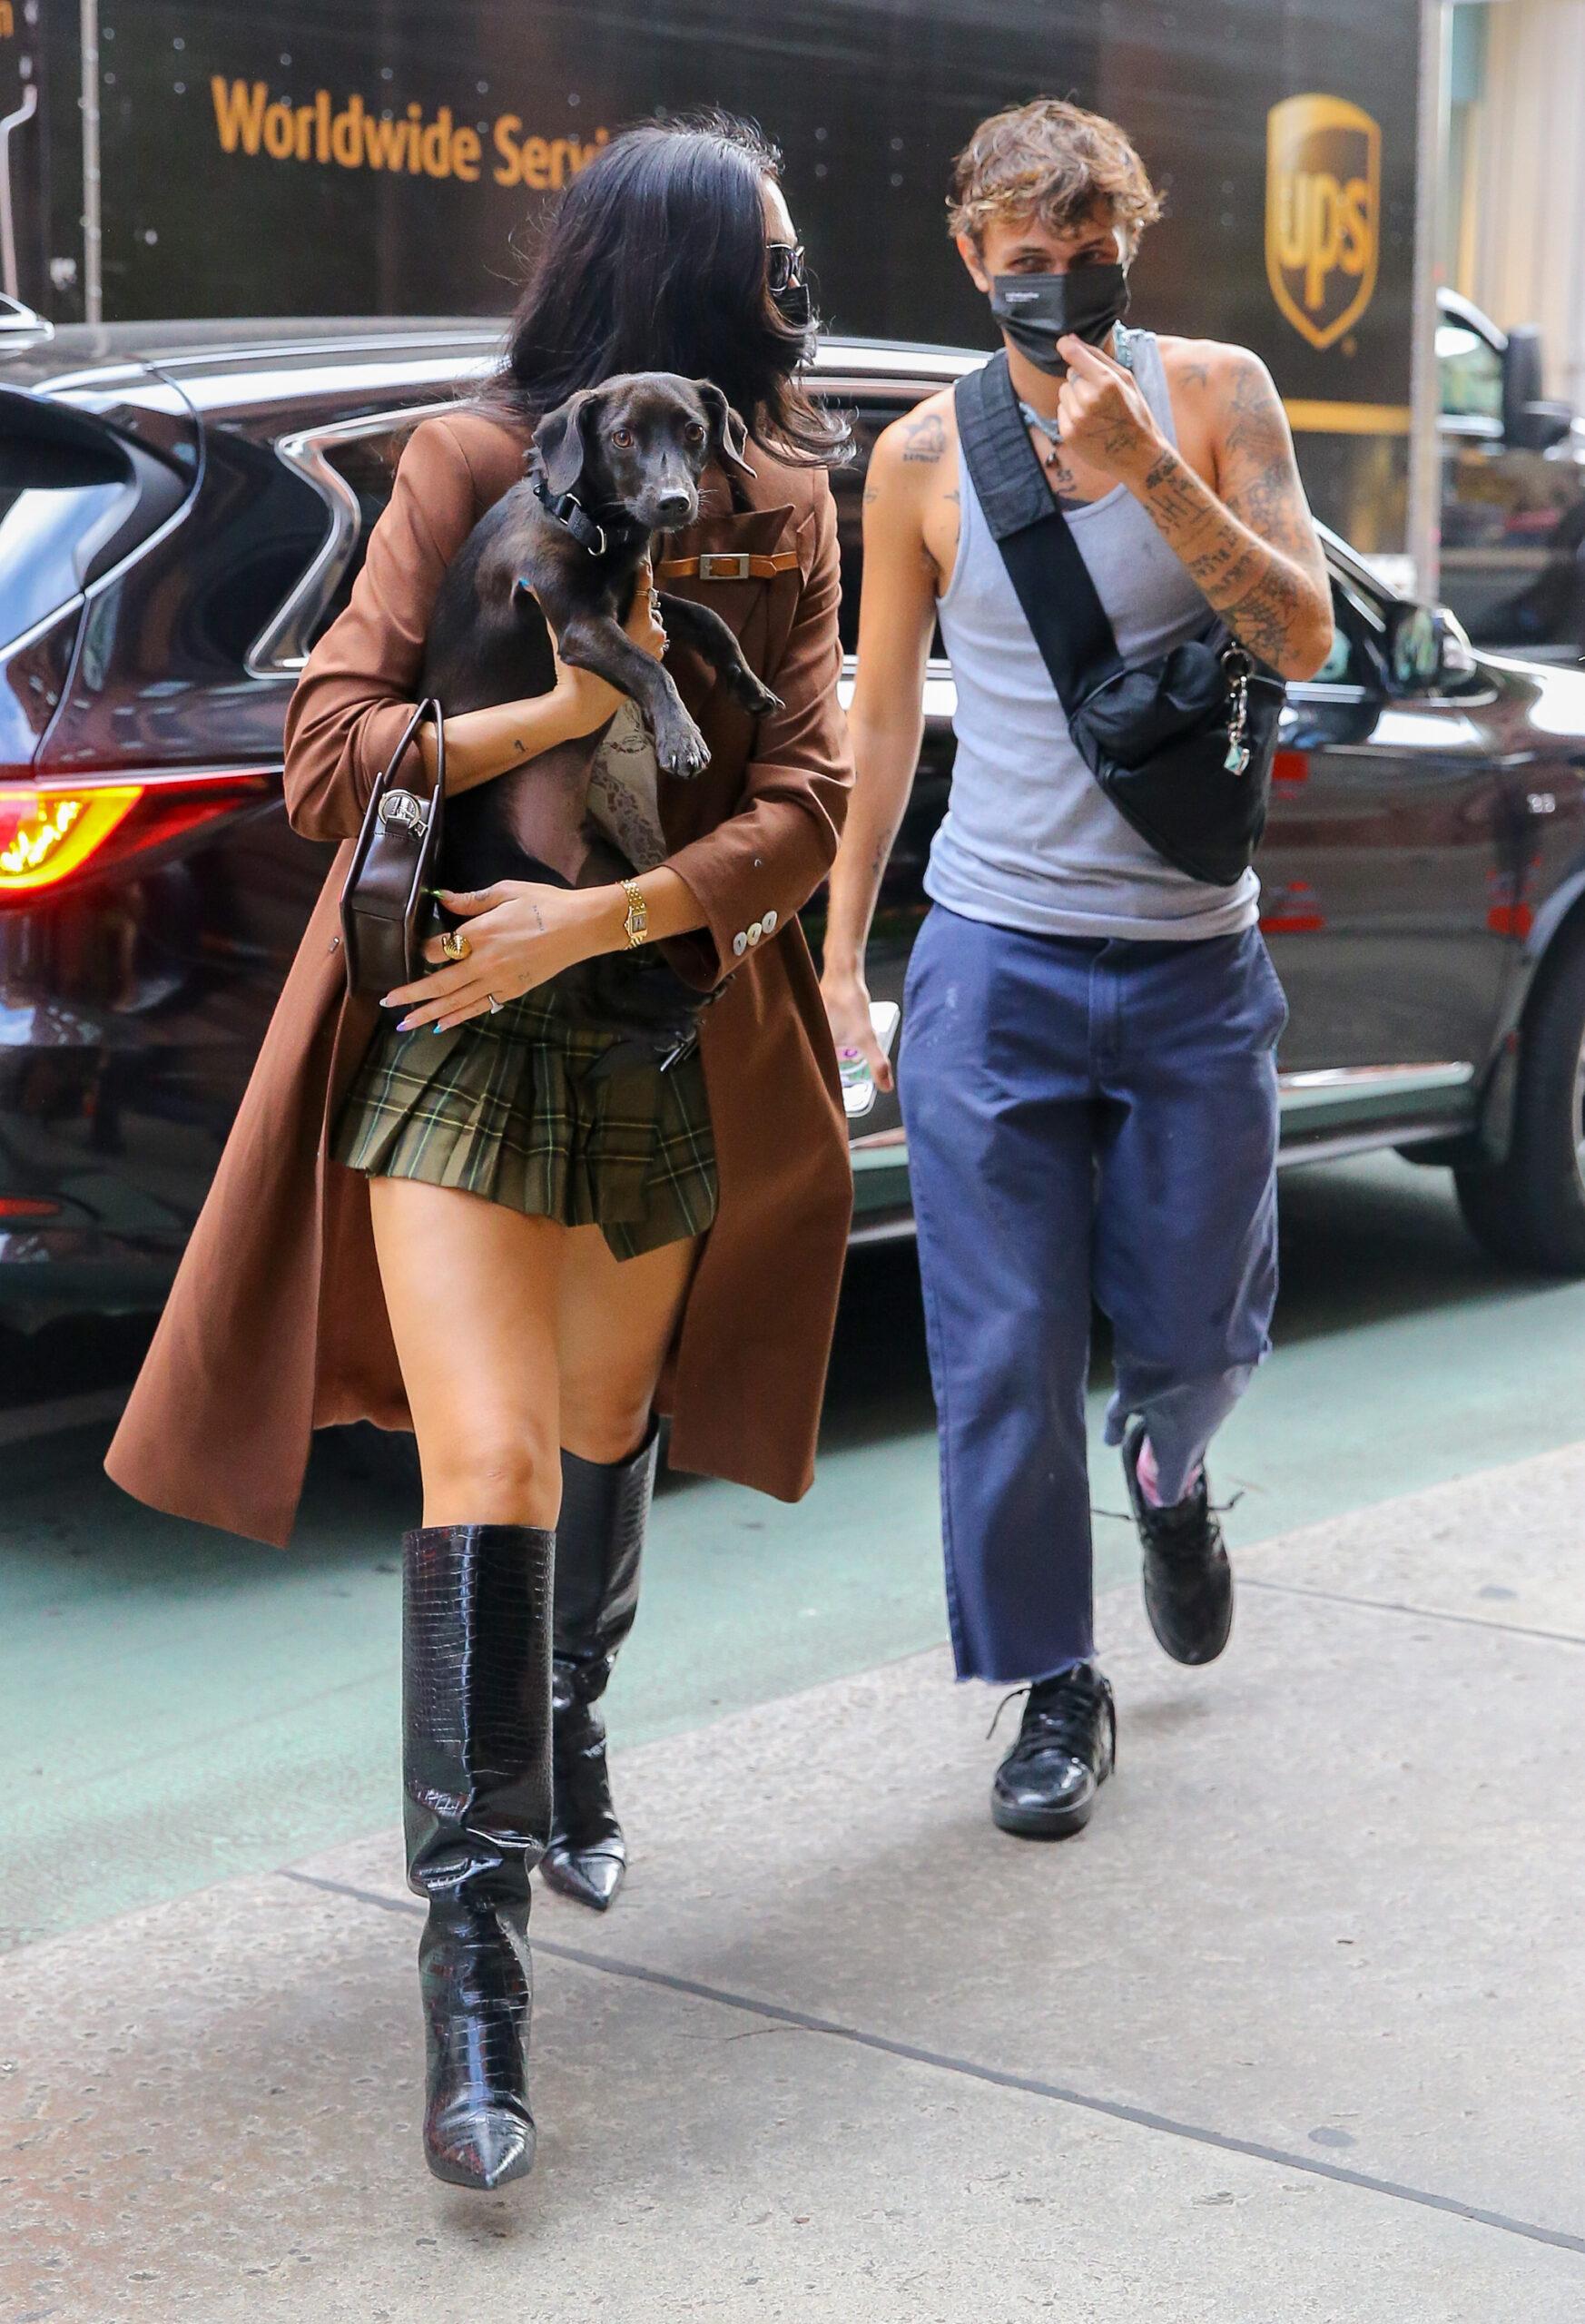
(193, 158)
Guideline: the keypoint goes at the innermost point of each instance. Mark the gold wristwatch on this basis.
(636, 923)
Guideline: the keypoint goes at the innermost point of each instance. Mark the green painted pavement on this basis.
(176, 1707)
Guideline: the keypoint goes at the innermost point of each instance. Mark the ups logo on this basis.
(1323, 212)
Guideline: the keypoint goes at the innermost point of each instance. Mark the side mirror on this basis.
(1529, 422)
(1426, 647)
(1543, 425)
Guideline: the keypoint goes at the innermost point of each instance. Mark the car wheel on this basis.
(1530, 1209)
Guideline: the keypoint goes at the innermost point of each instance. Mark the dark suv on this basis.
(182, 509)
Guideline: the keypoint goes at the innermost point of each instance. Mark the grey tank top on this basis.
(1029, 840)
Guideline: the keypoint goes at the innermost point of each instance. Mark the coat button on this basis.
(740, 943)
(755, 931)
(769, 924)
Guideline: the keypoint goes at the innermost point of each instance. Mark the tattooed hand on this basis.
(1105, 420)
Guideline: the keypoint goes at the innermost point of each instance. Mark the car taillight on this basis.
(51, 831)
(46, 834)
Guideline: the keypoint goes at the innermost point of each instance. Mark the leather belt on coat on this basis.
(727, 564)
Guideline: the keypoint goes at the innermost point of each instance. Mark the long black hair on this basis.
(653, 259)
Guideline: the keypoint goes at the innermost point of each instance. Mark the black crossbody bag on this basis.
(1182, 745)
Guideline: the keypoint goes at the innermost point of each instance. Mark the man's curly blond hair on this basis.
(1056, 163)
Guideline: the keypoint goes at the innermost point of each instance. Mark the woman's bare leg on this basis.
(472, 1289)
(614, 1322)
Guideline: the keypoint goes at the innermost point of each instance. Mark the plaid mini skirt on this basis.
(510, 1107)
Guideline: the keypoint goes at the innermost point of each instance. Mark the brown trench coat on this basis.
(276, 1323)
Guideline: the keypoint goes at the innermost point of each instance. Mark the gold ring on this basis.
(455, 944)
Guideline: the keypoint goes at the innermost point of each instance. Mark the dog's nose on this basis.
(675, 506)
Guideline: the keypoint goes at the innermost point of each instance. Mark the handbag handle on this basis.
(429, 707)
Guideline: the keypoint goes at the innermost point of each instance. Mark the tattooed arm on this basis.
(897, 614)
(1249, 543)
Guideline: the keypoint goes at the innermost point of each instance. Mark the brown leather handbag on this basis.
(386, 913)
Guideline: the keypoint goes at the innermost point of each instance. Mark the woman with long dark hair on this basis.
(482, 1218)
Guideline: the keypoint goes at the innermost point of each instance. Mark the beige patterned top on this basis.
(624, 791)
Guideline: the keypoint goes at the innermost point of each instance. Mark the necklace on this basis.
(1046, 427)
(1049, 428)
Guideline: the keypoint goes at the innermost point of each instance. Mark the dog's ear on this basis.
(562, 441)
(728, 436)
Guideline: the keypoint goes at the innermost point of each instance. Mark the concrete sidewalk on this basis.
(1294, 2032)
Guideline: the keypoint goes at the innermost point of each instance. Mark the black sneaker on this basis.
(1188, 1582)
(1045, 1789)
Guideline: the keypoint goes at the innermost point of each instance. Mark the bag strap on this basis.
(431, 702)
(429, 708)
(1049, 577)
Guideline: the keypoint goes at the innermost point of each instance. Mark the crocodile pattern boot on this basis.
(475, 1763)
(604, 1508)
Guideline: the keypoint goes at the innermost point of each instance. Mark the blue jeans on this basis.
(1086, 1119)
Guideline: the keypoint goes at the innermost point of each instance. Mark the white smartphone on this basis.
(858, 1091)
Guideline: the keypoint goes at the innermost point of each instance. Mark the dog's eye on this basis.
(622, 438)
(694, 432)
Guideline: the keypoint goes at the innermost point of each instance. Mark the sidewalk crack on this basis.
(999, 2078)
(1400, 1606)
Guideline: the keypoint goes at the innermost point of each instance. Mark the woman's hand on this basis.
(590, 700)
(852, 1028)
(518, 934)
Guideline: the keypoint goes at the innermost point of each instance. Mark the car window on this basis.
(1468, 373)
(58, 505)
(76, 496)
(368, 464)
(847, 484)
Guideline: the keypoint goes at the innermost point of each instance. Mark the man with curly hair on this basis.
(1088, 1076)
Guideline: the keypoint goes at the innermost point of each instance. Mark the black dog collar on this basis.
(619, 531)
(573, 516)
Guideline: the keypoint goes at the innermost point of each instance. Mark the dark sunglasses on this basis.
(784, 266)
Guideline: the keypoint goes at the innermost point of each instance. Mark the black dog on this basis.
(609, 468)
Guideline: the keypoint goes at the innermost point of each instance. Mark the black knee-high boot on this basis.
(599, 1539)
(475, 1762)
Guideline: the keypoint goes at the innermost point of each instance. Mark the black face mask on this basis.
(1036, 311)
(793, 304)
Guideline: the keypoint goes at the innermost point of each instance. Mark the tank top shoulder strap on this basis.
(1143, 353)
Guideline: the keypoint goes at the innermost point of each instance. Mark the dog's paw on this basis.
(681, 749)
(758, 698)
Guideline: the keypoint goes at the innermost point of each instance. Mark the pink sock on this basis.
(1150, 1476)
